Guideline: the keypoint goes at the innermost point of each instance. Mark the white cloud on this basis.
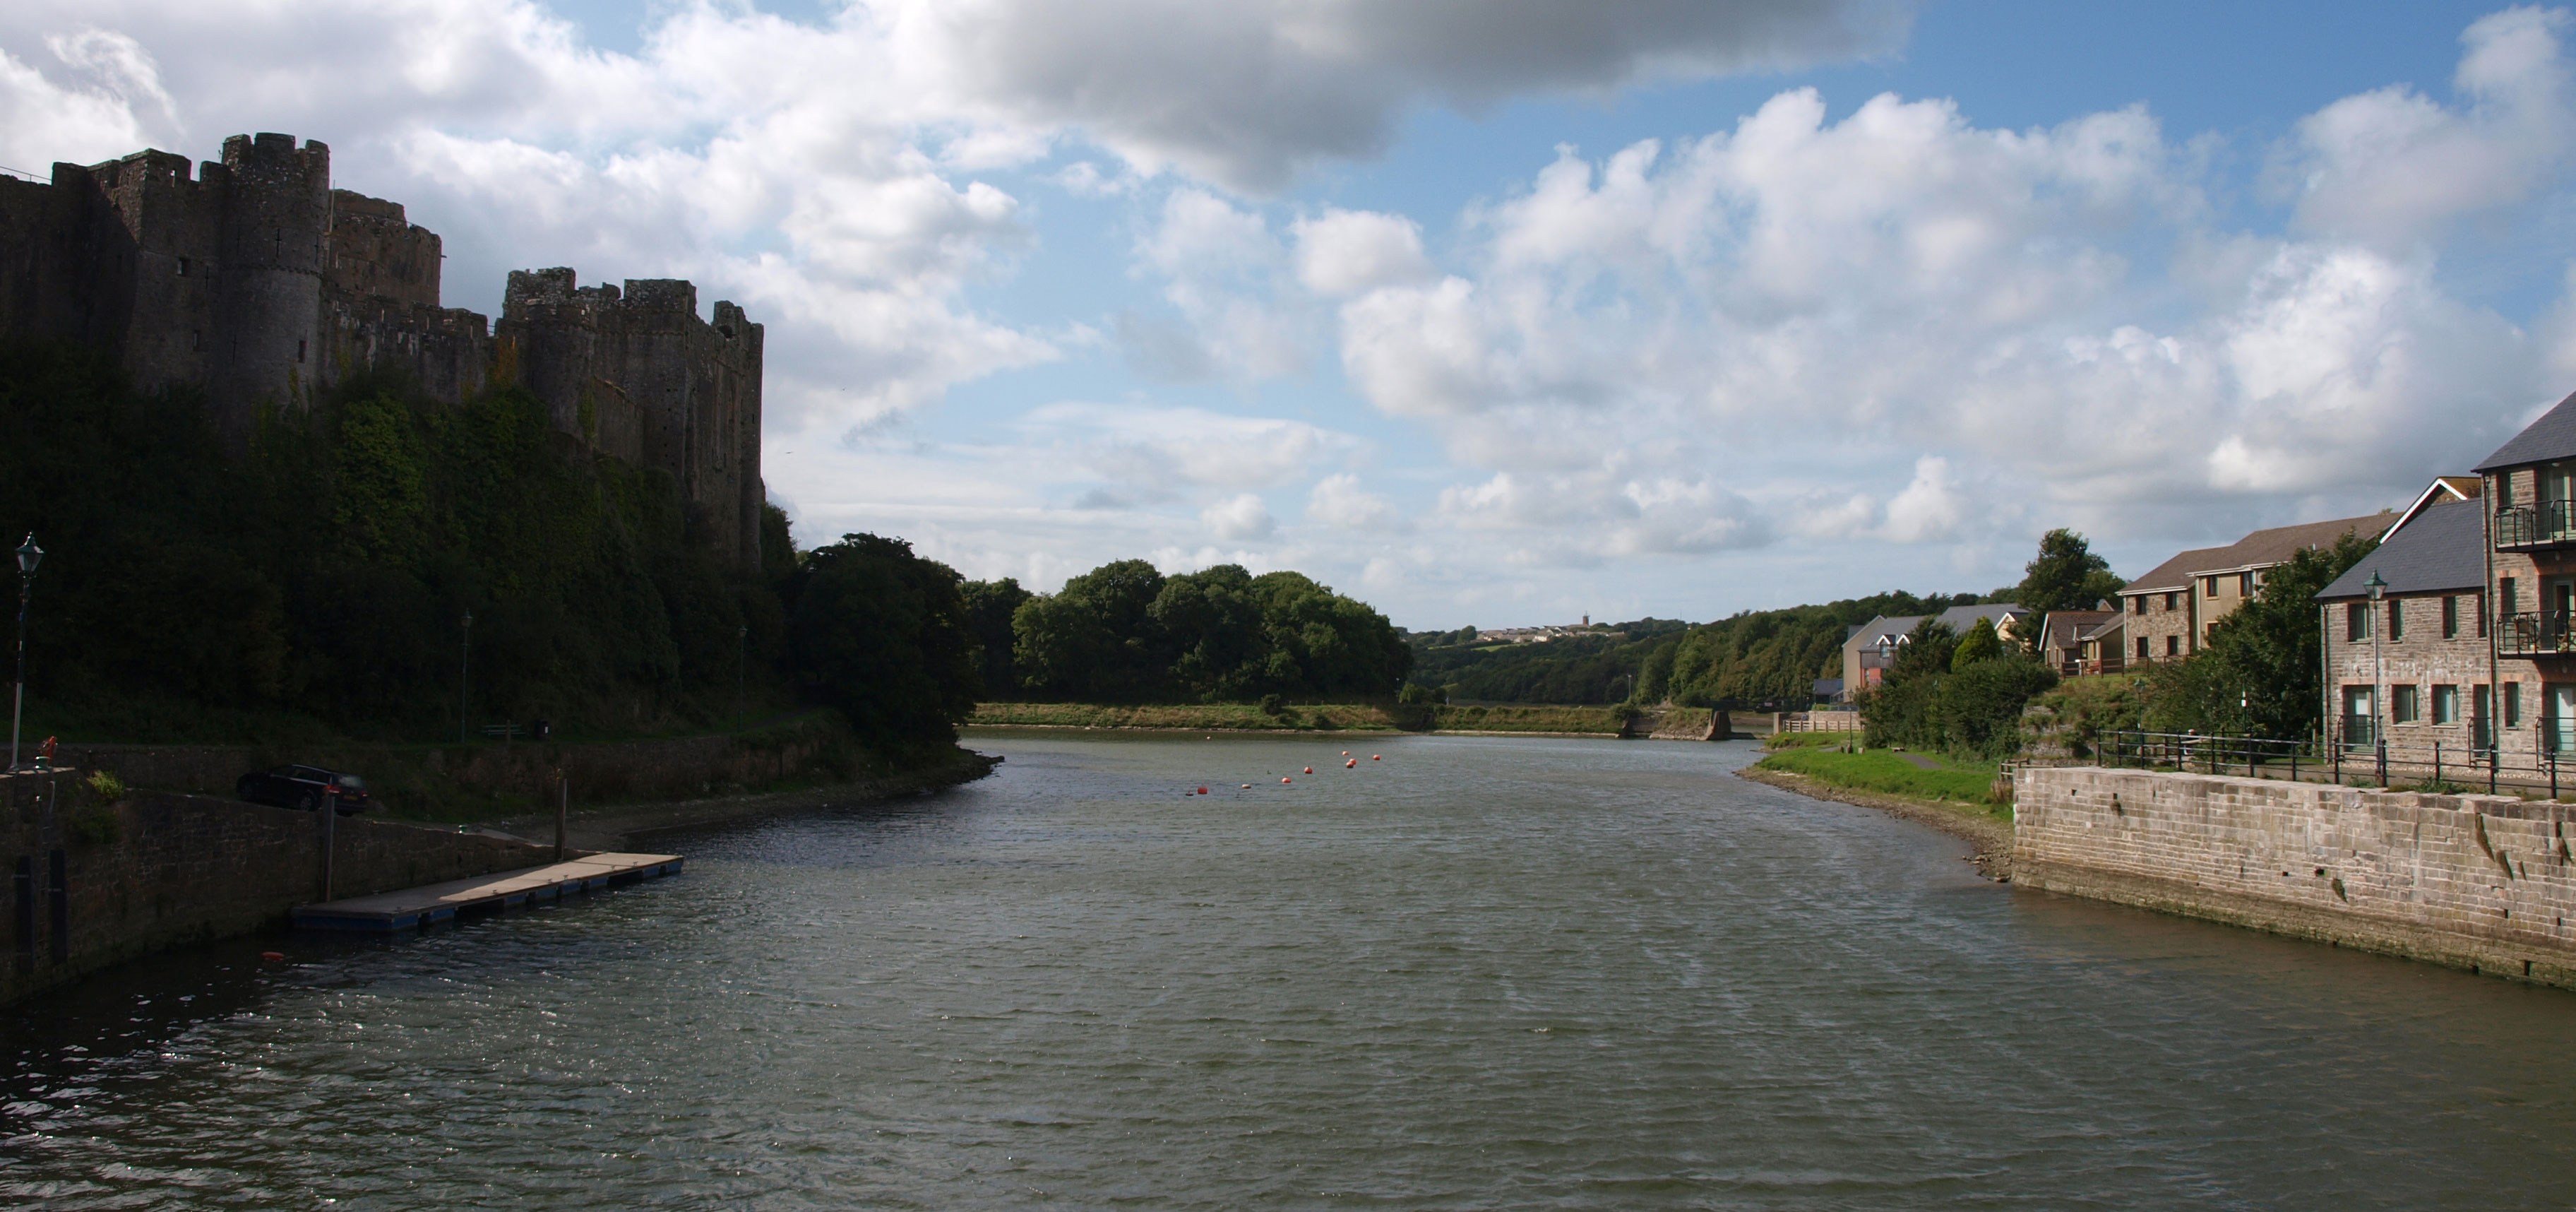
(1171, 448)
(1339, 501)
(2391, 166)
(1345, 252)
(1930, 509)
(1239, 517)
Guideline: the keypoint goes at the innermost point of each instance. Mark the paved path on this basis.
(1920, 762)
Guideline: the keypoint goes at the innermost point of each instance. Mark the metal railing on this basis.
(2352, 760)
(2540, 524)
(2077, 669)
(2535, 632)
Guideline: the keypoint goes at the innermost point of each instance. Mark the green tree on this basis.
(882, 634)
(2258, 673)
(1980, 644)
(990, 606)
(2066, 575)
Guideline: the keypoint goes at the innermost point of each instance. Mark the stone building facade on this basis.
(2530, 550)
(2170, 610)
(2413, 664)
(255, 280)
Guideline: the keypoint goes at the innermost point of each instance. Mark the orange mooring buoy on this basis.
(272, 956)
(1310, 770)
(1283, 778)
(1202, 791)
(1353, 762)
(1247, 786)
(1375, 758)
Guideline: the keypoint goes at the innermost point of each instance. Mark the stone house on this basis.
(2414, 665)
(2530, 554)
(2079, 642)
(1870, 649)
(2171, 609)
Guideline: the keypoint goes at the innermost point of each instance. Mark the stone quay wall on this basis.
(2485, 883)
(95, 882)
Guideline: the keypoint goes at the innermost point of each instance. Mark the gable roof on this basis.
(2553, 436)
(2261, 549)
(1960, 619)
(2443, 548)
(2443, 488)
(2067, 628)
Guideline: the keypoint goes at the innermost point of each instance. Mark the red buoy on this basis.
(1353, 762)
(272, 956)
(1310, 770)
(1375, 758)
(1283, 778)
(1202, 791)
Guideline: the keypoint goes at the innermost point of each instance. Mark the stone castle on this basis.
(261, 284)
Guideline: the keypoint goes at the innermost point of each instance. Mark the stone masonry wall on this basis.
(92, 884)
(2485, 883)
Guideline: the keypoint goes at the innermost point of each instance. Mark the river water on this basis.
(1479, 973)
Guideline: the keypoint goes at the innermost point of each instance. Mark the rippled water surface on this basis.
(1480, 973)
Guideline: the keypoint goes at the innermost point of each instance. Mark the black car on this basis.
(302, 787)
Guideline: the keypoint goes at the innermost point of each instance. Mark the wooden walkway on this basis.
(414, 907)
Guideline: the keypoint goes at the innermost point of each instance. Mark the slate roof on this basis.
(2551, 437)
(2261, 549)
(2442, 550)
(2068, 628)
(1959, 618)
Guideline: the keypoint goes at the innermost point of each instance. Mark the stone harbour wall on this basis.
(2486, 883)
(94, 882)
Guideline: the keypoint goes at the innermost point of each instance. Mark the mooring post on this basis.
(2381, 749)
(563, 810)
(2437, 761)
(330, 834)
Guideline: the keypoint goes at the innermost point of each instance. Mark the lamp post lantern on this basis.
(29, 555)
(464, 676)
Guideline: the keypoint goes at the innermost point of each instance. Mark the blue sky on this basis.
(1487, 313)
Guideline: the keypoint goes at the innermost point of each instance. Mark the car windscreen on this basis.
(353, 782)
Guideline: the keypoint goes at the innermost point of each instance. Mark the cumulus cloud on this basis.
(1945, 318)
(1239, 517)
(1339, 501)
(1246, 93)
(2391, 166)
(1169, 448)
(1344, 252)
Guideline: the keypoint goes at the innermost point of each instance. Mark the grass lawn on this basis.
(1964, 781)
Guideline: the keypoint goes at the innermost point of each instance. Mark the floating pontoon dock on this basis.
(413, 907)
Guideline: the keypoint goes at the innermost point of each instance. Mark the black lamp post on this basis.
(29, 555)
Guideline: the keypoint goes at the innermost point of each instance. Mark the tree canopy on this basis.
(2258, 673)
(1125, 633)
(2066, 575)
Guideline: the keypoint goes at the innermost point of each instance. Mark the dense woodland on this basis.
(318, 582)
(1125, 633)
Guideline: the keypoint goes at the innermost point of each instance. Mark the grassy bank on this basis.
(1965, 782)
(1526, 719)
(1199, 717)
(1337, 717)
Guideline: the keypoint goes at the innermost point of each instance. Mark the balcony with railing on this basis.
(2536, 633)
(2533, 527)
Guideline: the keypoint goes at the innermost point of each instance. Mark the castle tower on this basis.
(275, 228)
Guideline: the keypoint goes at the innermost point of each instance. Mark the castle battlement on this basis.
(262, 284)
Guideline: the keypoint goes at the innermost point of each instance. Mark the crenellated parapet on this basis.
(259, 282)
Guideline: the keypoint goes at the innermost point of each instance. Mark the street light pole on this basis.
(2379, 676)
(464, 683)
(29, 555)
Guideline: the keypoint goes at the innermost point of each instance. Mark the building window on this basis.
(2142, 648)
(2396, 620)
(2208, 632)
(2171, 603)
(2450, 618)
(299, 351)
(2359, 719)
(183, 267)
(2245, 584)
(2504, 491)
(2446, 704)
(2513, 704)
(2209, 586)
(2356, 621)
(2140, 602)
(2480, 611)
(2505, 595)
(2401, 704)
(2173, 645)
